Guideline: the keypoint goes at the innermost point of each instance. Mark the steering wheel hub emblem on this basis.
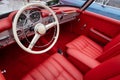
(40, 28)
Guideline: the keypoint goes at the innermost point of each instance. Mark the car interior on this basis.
(40, 42)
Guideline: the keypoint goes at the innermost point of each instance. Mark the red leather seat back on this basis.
(111, 44)
(108, 70)
(111, 49)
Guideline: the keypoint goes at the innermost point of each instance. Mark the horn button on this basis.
(40, 28)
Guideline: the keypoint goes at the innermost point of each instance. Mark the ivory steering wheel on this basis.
(39, 29)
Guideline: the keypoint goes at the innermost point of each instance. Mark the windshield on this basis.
(78, 3)
(7, 6)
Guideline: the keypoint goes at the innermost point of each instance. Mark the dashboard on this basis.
(30, 18)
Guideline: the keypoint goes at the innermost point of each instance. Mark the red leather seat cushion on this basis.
(86, 46)
(55, 68)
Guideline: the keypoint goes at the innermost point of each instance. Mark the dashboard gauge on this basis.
(22, 20)
(35, 16)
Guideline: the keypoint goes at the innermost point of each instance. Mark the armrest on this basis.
(82, 58)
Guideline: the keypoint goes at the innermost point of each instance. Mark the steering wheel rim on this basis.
(15, 28)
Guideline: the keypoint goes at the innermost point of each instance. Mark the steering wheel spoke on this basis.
(50, 25)
(34, 41)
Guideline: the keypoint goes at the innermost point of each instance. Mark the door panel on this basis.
(100, 28)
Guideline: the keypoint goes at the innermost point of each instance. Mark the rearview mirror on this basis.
(52, 2)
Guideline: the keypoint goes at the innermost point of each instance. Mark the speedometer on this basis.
(35, 16)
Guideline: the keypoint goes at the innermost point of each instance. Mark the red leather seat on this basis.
(93, 50)
(59, 68)
(55, 68)
(86, 46)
